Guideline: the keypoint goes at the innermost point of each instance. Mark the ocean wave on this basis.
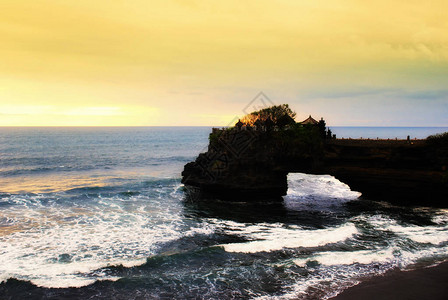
(303, 186)
(58, 239)
(348, 257)
(64, 257)
(272, 238)
(30, 173)
(434, 235)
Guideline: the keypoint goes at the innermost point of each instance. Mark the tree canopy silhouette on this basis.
(277, 113)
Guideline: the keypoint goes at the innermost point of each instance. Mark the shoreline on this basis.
(427, 283)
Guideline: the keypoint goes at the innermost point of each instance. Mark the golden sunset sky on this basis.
(142, 62)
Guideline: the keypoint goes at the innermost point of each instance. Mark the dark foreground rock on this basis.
(253, 165)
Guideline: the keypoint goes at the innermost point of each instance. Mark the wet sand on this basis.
(429, 283)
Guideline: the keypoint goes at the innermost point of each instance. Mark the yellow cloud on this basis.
(109, 54)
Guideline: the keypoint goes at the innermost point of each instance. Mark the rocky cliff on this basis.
(253, 165)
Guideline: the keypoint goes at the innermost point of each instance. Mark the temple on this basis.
(309, 121)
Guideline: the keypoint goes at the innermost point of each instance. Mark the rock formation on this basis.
(248, 164)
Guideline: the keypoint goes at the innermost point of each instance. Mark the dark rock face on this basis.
(253, 165)
(237, 166)
(396, 171)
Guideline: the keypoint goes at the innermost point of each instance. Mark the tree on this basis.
(322, 128)
(276, 113)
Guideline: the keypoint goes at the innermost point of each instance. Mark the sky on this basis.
(203, 63)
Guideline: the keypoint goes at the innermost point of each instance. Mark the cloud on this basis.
(369, 92)
(88, 58)
(428, 95)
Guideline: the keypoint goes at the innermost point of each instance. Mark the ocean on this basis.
(100, 213)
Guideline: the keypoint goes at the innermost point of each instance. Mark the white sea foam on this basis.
(318, 186)
(421, 234)
(62, 246)
(270, 238)
(348, 257)
(329, 272)
(304, 191)
(441, 217)
(337, 270)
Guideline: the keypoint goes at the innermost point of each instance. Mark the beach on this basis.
(427, 283)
